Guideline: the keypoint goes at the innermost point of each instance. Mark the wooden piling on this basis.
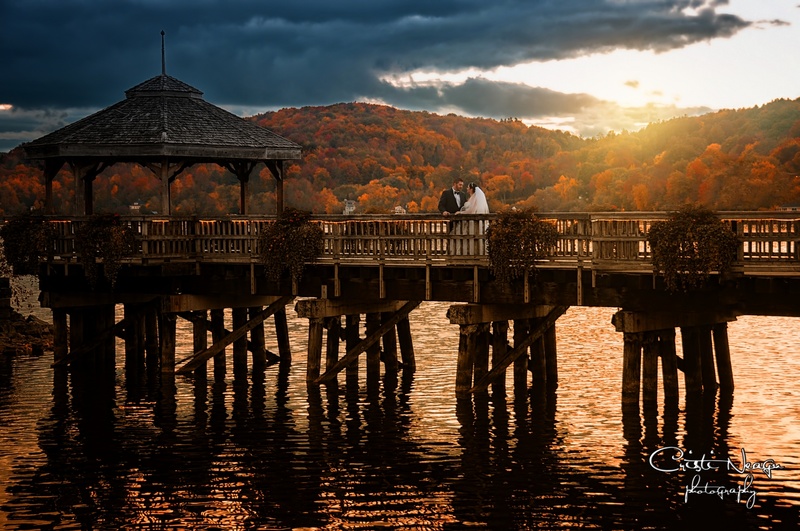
(352, 338)
(200, 341)
(538, 362)
(373, 323)
(692, 368)
(390, 362)
(334, 326)
(481, 357)
(315, 328)
(76, 328)
(499, 351)
(551, 357)
(707, 359)
(282, 333)
(521, 330)
(669, 364)
(151, 340)
(723, 356)
(166, 335)
(134, 338)
(466, 359)
(239, 319)
(60, 335)
(108, 318)
(650, 352)
(258, 341)
(631, 367)
(406, 345)
(217, 335)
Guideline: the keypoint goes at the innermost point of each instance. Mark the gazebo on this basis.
(166, 126)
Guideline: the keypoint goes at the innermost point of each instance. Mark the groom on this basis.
(453, 198)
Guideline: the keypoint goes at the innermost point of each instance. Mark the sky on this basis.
(583, 66)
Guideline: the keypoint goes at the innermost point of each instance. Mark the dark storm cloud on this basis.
(482, 97)
(70, 53)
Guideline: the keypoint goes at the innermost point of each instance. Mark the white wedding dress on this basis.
(472, 233)
(476, 204)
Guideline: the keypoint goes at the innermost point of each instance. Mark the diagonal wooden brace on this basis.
(200, 357)
(364, 344)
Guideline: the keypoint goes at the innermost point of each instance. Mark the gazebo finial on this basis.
(163, 57)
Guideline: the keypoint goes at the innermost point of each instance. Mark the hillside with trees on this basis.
(382, 157)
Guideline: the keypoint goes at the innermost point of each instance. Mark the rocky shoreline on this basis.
(20, 334)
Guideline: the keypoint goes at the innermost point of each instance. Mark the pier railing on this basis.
(618, 241)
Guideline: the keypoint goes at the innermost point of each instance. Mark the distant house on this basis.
(349, 207)
(399, 210)
(789, 208)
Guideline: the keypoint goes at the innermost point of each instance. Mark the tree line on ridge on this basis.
(382, 157)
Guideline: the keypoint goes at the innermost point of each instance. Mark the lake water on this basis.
(266, 453)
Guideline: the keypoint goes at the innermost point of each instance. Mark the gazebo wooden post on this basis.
(163, 177)
(244, 194)
(276, 168)
(51, 168)
(242, 170)
(84, 175)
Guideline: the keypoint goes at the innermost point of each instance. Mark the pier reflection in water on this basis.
(266, 452)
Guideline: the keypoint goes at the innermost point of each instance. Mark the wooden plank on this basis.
(219, 346)
(536, 332)
(365, 343)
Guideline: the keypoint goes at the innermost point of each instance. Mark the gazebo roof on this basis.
(163, 117)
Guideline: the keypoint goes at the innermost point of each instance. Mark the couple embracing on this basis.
(467, 237)
(455, 201)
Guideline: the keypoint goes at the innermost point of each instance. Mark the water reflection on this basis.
(265, 451)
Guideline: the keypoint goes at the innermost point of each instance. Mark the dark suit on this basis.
(447, 203)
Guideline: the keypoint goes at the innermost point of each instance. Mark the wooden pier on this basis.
(379, 268)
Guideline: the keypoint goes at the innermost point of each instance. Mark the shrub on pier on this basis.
(290, 243)
(517, 239)
(26, 240)
(690, 245)
(104, 237)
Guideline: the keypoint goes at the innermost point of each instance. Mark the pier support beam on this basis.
(521, 332)
(238, 320)
(499, 351)
(532, 325)
(352, 338)
(217, 335)
(200, 341)
(657, 330)
(723, 354)
(406, 345)
(60, 335)
(166, 334)
(237, 333)
(318, 309)
(385, 320)
(134, 316)
(631, 367)
(669, 365)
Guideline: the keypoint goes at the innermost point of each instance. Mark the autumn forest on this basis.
(381, 158)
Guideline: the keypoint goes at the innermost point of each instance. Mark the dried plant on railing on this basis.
(290, 243)
(691, 244)
(517, 239)
(26, 239)
(103, 236)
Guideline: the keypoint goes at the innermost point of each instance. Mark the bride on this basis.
(476, 203)
(474, 229)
